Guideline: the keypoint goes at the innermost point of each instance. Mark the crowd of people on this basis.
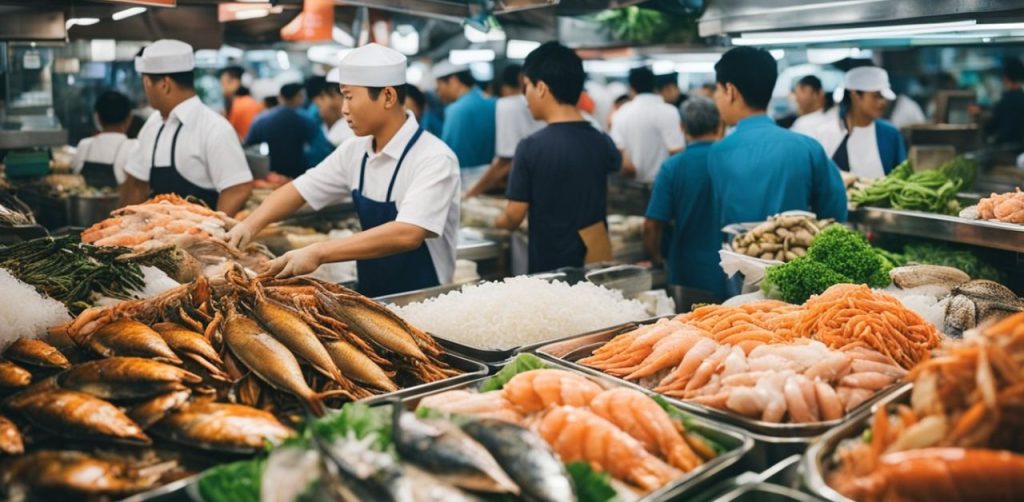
(406, 158)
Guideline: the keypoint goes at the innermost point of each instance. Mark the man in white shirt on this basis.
(186, 149)
(101, 159)
(330, 102)
(810, 103)
(403, 180)
(647, 130)
(513, 122)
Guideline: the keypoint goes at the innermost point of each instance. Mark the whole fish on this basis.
(295, 334)
(189, 344)
(268, 358)
(126, 378)
(13, 376)
(150, 412)
(36, 353)
(78, 414)
(10, 438)
(913, 276)
(365, 474)
(358, 366)
(447, 452)
(526, 457)
(376, 324)
(74, 471)
(222, 426)
(127, 337)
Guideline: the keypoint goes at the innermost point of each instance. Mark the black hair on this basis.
(511, 76)
(414, 93)
(184, 79)
(752, 71)
(560, 68)
(622, 99)
(316, 85)
(234, 71)
(641, 80)
(662, 81)
(400, 92)
(289, 91)
(463, 76)
(810, 81)
(1013, 70)
(112, 107)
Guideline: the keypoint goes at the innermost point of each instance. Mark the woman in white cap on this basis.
(404, 183)
(860, 142)
(186, 148)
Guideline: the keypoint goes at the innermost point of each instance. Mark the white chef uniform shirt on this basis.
(865, 160)
(426, 190)
(208, 152)
(513, 123)
(647, 128)
(105, 148)
(808, 124)
(338, 132)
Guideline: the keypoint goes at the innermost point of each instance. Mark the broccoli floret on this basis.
(798, 280)
(848, 253)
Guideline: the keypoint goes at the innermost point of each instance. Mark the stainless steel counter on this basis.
(986, 234)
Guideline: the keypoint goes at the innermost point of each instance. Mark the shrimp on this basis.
(669, 351)
(478, 405)
(643, 419)
(537, 390)
(577, 434)
(678, 379)
(638, 350)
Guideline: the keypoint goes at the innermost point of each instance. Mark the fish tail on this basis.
(316, 401)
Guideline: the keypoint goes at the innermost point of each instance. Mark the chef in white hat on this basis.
(469, 120)
(403, 181)
(860, 142)
(186, 148)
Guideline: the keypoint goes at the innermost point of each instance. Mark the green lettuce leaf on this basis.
(234, 482)
(591, 486)
(522, 363)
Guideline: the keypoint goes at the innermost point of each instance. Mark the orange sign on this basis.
(314, 22)
(149, 3)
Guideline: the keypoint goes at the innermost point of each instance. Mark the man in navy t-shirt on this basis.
(287, 132)
(560, 173)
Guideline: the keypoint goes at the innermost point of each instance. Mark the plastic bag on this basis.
(751, 268)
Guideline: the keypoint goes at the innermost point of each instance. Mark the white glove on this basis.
(240, 235)
(296, 262)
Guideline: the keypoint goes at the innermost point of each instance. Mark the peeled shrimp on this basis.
(678, 379)
(643, 419)
(537, 390)
(669, 351)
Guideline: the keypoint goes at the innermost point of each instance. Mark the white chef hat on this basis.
(166, 56)
(445, 68)
(371, 65)
(264, 88)
(866, 78)
(334, 76)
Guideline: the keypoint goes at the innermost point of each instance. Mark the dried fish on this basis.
(126, 378)
(69, 412)
(36, 353)
(127, 337)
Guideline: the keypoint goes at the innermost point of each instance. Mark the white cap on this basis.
(334, 76)
(166, 56)
(445, 68)
(372, 65)
(264, 88)
(866, 78)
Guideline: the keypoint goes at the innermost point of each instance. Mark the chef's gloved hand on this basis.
(240, 235)
(296, 262)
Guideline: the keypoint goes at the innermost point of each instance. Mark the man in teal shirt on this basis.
(468, 120)
(762, 169)
(682, 195)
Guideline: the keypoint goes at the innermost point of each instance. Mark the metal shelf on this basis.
(988, 234)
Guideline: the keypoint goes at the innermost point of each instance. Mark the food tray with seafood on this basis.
(675, 463)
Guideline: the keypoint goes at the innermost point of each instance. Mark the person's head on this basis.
(230, 80)
(744, 80)
(641, 80)
(668, 87)
(809, 95)
(113, 111)
(291, 95)
(866, 92)
(167, 68)
(1013, 72)
(701, 119)
(372, 82)
(619, 101)
(415, 101)
(452, 80)
(326, 96)
(553, 77)
(315, 86)
(511, 81)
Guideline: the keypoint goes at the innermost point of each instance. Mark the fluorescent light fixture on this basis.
(477, 36)
(661, 67)
(696, 67)
(129, 12)
(620, 67)
(342, 37)
(828, 56)
(80, 21)
(327, 54)
(468, 56)
(405, 39)
(283, 61)
(850, 34)
(519, 49)
(777, 54)
(251, 14)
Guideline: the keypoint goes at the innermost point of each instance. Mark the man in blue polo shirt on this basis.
(762, 169)
(682, 196)
(287, 132)
(468, 120)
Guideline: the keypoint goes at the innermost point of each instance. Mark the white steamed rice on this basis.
(24, 312)
(520, 311)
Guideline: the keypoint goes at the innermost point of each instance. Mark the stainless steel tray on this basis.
(988, 234)
(765, 492)
(738, 442)
(818, 458)
(775, 440)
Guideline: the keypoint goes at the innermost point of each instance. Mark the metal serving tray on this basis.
(775, 441)
(738, 442)
(818, 459)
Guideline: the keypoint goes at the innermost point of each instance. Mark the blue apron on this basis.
(397, 273)
(167, 179)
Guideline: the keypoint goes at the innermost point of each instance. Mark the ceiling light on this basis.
(80, 21)
(129, 12)
(849, 34)
(405, 39)
(467, 56)
(283, 61)
(519, 49)
(478, 36)
(251, 14)
(342, 37)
